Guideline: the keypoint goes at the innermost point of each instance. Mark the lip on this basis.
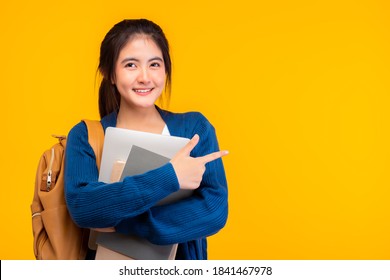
(142, 91)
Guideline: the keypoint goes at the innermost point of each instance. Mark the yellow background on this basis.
(297, 90)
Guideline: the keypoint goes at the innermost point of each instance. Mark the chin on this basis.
(144, 105)
(144, 102)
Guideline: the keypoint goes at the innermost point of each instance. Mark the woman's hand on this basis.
(189, 170)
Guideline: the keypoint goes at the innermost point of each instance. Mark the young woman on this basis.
(136, 68)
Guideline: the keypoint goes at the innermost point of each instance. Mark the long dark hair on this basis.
(112, 44)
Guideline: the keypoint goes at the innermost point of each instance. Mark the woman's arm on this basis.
(203, 214)
(94, 204)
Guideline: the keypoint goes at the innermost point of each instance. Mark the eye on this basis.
(130, 65)
(155, 64)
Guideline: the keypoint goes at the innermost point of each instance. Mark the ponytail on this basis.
(109, 98)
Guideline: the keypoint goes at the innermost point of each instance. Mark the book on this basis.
(145, 152)
(118, 143)
(140, 161)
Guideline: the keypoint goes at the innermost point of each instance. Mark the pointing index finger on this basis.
(213, 156)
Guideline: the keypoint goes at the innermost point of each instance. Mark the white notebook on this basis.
(118, 143)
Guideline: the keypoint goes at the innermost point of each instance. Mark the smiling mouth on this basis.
(143, 91)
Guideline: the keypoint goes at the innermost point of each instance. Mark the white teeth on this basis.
(142, 90)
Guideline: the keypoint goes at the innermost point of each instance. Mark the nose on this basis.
(143, 76)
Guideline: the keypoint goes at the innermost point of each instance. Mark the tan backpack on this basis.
(56, 236)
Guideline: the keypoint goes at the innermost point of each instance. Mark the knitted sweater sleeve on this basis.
(201, 215)
(94, 204)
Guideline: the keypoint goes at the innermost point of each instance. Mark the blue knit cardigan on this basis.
(129, 205)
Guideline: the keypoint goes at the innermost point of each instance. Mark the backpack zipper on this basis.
(49, 173)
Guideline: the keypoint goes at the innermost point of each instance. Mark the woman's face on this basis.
(140, 73)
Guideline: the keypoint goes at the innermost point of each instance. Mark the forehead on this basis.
(140, 45)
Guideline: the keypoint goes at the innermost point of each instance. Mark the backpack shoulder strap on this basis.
(95, 138)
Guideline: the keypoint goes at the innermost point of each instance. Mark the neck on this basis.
(141, 119)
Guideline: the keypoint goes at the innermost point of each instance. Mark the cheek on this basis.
(160, 78)
(125, 79)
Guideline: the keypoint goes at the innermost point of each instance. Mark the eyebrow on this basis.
(127, 59)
